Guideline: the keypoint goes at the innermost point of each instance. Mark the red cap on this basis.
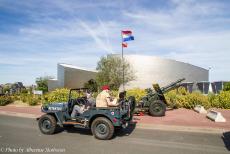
(105, 87)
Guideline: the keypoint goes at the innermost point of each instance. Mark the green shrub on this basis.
(176, 98)
(226, 86)
(33, 101)
(211, 98)
(24, 91)
(181, 91)
(137, 93)
(27, 98)
(4, 100)
(60, 95)
(15, 97)
(180, 98)
(196, 98)
(171, 98)
(221, 100)
(24, 97)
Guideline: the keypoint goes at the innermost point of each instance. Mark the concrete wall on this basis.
(53, 84)
(61, 75)
(76, 78)
(69, 76)
(151, 69)
(148, 70)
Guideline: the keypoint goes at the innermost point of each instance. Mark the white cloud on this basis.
(74, 31)
(190, 31)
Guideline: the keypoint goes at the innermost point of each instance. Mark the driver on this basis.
(79, 109)
(104, 99)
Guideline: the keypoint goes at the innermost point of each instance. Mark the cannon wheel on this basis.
(157, 108)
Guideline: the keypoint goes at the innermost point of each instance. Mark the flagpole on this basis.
(123, 67)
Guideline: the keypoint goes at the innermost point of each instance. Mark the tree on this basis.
(110, 72)
(91, 85)
(6, 89)
(226, 86)
(42, 83)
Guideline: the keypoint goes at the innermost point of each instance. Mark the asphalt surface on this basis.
(21, 135)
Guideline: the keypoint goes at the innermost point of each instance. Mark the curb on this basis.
(181, 128)
(17, 114)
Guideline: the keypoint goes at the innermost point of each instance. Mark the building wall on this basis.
(61, 75)
(149, 70)
(76, 78)
(69, 76)
(53, 84)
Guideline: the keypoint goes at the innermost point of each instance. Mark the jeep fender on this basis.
(96, 116)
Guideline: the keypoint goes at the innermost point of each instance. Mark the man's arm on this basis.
(112, 103)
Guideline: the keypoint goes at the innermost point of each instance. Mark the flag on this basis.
(124, 44)
(127, 35)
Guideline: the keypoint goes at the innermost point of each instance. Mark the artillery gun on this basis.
(154, 102)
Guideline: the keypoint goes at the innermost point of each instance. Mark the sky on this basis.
(35, 35)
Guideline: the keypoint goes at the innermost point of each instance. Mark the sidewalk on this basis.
(21, 111)
(178, 120)
(185, 117)
(186, 120)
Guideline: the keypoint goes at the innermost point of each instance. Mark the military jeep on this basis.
(101, 121)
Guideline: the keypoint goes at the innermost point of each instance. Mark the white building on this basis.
(148, 70)
(69, 76)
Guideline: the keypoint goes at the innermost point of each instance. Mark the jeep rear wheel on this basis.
(102, 128)
(47, 124)
(157, 108)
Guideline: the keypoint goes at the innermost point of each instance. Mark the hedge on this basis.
(4, 100)
(179, 98)
(137, 93)
(60, 95)
(221, 100)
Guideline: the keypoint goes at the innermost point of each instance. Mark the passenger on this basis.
(104, 99)
(91, 102)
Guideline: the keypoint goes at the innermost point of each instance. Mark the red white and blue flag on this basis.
(126, 36)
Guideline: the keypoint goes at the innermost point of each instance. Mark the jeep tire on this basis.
(47, 124)
(102, 128)
(157, 108)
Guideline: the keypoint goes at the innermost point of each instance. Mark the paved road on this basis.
(21, 134)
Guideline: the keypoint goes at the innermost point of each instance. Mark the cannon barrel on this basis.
(172, 86)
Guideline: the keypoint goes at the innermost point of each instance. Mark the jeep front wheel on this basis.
(102, 128)
(47, 124)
